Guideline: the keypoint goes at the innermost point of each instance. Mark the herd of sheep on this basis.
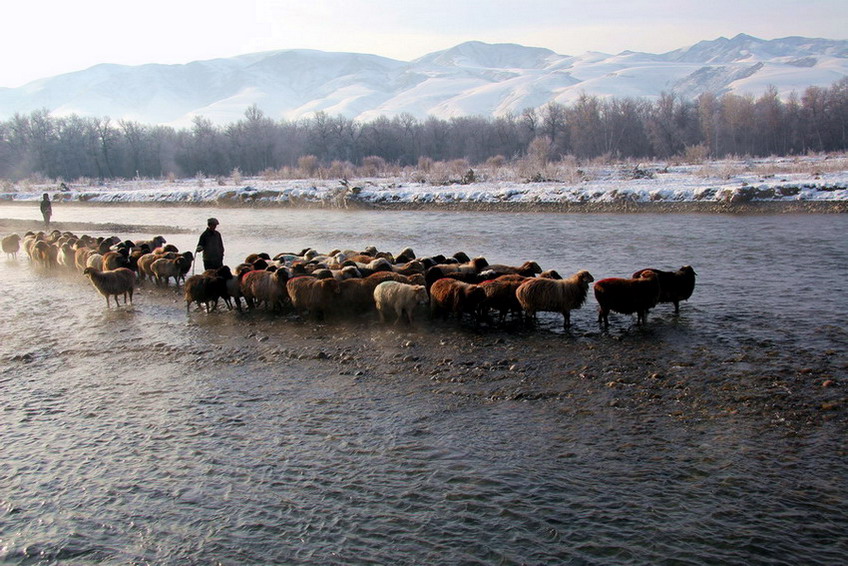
(344, 283)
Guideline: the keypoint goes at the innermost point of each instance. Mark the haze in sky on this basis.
(43, 38)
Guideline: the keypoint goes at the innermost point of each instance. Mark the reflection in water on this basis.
(143, 435)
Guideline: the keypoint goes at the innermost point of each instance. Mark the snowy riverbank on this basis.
(719, 185)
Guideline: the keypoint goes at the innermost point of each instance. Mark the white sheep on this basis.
(400, 298)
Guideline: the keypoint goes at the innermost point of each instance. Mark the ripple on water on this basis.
(142, 435)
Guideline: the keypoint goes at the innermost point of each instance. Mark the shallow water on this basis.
(145, 435)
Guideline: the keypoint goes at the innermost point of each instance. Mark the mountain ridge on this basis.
(471, 78)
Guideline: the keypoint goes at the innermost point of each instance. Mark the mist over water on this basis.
(146, 435)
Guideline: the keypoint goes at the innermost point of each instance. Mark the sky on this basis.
(43, 38)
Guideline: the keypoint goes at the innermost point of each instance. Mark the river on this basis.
(146, 435)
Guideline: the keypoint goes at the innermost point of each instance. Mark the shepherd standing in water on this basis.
(212, 246)
(46, 210)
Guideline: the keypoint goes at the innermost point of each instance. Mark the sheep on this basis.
(437, 272)
(449, 295)
(232, 285)
(675, 286)
(627, 296)
(164, 268)
(473, 266)
(205, 289)
(347, 272)
(315, 296)
(377, 278)
(106, 244)
(186, 265)
(112, 283)
(44, 254)
(400, 298)
(527, 269)
(373, 266)
(500, 294)
(81, 256)
(67, 254)
(152, 244)
(406, 252)
(409, 267)
(11, 245)
(143, 265)
(114, 260)
(265, 287)
(554, 295)
(29, 241)
(95, 260)
(355, 296)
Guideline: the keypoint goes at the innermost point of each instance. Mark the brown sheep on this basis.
(164, 268)
(316, 296)
(81, 256)
(152, 244)
(355, 296)
(527, 269)
(554, 295)
(204, 289)
(114, 260)
(112, 283)
(473, 266)
(44, 254)
(627, 296)
(267, 287)
(500, 295)
(450, 296)
(409, 268)
(11, 245)
(675, 286)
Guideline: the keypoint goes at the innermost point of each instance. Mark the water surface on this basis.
(146, 435)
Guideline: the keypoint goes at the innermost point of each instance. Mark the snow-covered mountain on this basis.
(472, 78)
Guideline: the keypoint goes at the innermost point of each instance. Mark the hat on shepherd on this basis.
(212, 221)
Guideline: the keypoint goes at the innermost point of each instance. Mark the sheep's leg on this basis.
(676, 307)
(566, 319)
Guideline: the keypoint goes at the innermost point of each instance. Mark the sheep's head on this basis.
(533, 266)
(687, 270)
(421, 296)
(461, 257)
(479, 263)
(584, 277)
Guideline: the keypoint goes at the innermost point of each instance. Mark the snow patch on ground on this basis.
(720, 182)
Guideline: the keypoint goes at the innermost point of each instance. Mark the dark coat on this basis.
(212, 245)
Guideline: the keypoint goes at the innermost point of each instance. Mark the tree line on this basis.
(74, 147)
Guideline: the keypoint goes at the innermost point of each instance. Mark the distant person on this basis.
(46, 210)
(212, 245)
